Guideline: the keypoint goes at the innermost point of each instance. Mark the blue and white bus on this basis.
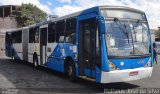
(105, 44)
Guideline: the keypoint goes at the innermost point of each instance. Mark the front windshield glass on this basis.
(140, 38)
(132, 39)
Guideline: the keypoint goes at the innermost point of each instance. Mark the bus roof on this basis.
(85, 11)
(120, 7)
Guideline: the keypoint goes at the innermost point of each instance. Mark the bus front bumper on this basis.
(126, 75)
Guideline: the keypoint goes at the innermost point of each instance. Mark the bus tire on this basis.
(35, 61)
(71, 71)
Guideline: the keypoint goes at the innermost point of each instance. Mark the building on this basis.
(7, 21)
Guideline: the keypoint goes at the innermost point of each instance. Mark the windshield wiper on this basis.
(124, 29)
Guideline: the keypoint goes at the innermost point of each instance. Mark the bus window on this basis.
(17, 37)
(51, 33)
(31, 35)
(34, 35)
(71, 38)
(60, 31)
(8, 38)
(70, 35)
(13, 36)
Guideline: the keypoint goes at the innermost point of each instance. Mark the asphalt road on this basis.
(22, 78)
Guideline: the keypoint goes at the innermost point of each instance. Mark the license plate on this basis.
(133, 73)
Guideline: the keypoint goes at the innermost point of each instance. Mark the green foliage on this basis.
(28, 14)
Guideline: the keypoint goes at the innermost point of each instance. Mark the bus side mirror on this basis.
(102, 24)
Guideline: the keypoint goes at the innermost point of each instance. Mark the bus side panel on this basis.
(50, 48)
(25, 44)
(18, 50)
(58, 55)
(70, 50)
(33, 48)
(55, 60)
(30, 52)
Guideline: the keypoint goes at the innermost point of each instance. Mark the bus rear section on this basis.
(13, 44)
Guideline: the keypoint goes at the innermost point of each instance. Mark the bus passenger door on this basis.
(87, 47)
(43, 44)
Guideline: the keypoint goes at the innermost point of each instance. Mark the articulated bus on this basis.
(105, 44)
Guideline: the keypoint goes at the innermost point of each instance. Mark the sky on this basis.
(63, 7)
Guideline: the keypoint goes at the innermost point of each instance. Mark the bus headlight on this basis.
(112, 66)
(148, 63)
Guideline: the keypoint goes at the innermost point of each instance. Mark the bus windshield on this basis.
(132, 40)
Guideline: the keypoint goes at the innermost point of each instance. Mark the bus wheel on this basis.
(71, 71)
(35, 61)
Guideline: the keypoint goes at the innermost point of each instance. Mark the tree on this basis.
(28, 14)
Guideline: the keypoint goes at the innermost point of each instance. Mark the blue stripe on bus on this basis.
(130, 63)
